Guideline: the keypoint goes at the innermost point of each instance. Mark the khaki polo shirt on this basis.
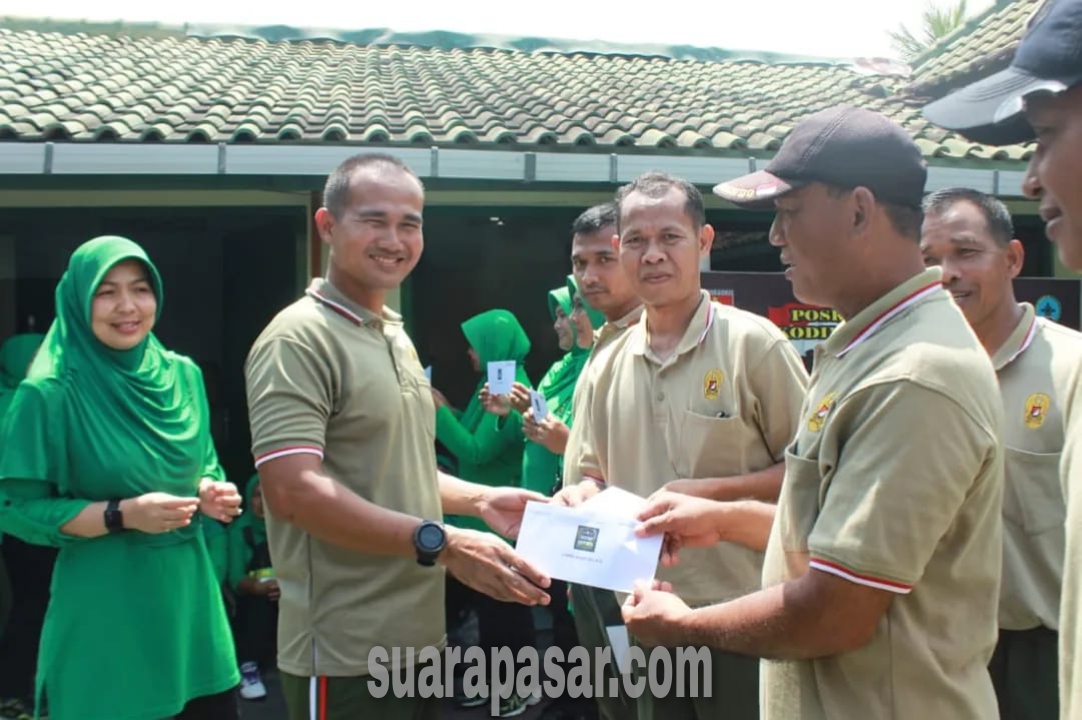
(1070, 616)
(895, 481)
(1037, 368)
(725, 403)
(330, 378)
(580, 399)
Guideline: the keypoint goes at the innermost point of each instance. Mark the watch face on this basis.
(431, 537)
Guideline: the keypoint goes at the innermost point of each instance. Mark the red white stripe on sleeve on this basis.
(868, 580)
(292, 450)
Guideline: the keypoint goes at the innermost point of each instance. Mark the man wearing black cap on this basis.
(1039, 97)
(883, 555)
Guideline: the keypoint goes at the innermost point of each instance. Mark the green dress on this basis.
(136, 625)
(488, 451)
(541, 468)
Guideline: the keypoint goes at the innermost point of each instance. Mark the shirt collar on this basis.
(1020, 338)
(868, 321)
(693, 336)
(322, 291)
(619, 325)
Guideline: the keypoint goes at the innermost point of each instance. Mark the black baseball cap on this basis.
(843, 146)
(1048, 59)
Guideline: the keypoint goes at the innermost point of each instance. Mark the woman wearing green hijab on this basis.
(107, 455)
(489, 451)
(543, 454)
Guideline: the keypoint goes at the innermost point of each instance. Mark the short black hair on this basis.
(658, 184)
(336, 193)
(595, 219)
(996, 215)
(906, 219)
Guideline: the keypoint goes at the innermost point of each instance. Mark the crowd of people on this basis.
(892, 535)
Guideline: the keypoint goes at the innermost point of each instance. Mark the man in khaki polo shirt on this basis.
(1039, 363)
(605, 286)
(343, 436)
(883, 554)
(700, 394)
(1039, 98)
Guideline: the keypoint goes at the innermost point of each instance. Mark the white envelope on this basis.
(501, 376)
(616, 501)
(587, 547)
(540, 407)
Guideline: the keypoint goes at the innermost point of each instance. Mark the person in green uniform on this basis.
(542, 458)
(16, 674)
(251, 578)
(489, 448)
(106, 454)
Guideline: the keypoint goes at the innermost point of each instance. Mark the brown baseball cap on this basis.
(844, 146)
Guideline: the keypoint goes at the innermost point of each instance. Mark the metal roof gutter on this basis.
(451, 163)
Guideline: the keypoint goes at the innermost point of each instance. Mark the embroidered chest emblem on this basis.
(1037, 406)
(819, 416)
(712, 384)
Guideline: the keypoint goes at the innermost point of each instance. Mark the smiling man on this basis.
(343, 429)
(883, 556)
(970, 236)
(701, 398)
(1039, 97)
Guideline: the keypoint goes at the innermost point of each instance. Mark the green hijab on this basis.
(558, 385)
(15, 356)
(100, 422)
(494, 335)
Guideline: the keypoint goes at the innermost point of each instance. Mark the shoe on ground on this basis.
(464, 701)
(512, 706)
(251, 683)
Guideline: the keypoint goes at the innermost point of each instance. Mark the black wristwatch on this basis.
(114, 518)
(429, 539)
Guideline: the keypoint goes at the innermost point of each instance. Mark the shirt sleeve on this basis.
(779, 384)
(31, 506)
(290, 399)
(905, 459)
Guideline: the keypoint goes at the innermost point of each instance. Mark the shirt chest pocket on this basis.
(798, 507)
(1032, 498)
(709, 446)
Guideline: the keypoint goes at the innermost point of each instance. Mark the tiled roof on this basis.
(984, 45)
(117, 87)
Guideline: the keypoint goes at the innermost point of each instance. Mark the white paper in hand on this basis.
(501, 376)
(587, 547)
(540, 407)
(621, 645)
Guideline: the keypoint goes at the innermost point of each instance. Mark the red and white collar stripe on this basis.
(337, 307)
(906, 302)
(709, 321)
(1026, 342)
